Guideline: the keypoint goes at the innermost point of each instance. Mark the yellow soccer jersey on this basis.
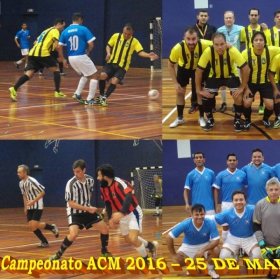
(275, 67)
(274, 37)
(259, 64)
(180, 54)
(122, 50)
(222, 66)
(246, 34)
(44, 42)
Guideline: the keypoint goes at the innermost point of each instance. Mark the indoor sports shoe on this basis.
(267, 124)
(237, 126)
(246, 125)
(43, 245)
(213, 274)
(89, 102)
(106, 255)
(193, 109)
(276, 123)
(55, 231)
(223, 107)
(201, 121)
(103, 103)
(13, 94)
(96, 101)
(54, 257)
(78, 98)
(261, 110)
(17, 66)
(177, 122)
(62, 74)
(209, 125)
(153, 247)
(60, 94)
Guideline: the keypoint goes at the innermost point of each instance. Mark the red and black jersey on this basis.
(115, 194)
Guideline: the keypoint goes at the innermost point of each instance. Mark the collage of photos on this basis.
(134, 139)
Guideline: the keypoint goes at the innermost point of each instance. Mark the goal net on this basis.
(143, 180)
(156, 42)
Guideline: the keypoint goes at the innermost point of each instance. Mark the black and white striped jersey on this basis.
(78, 192)
(31, 188)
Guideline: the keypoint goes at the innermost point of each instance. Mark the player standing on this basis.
(157, 193)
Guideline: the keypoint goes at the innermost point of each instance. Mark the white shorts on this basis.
(82, 64)
(226, 205)
(24, 51)
(210, 212)
(132, 221)
(191, 250)
(235, 243)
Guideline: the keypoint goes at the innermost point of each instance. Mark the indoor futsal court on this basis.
(45, 158)
(223, 128)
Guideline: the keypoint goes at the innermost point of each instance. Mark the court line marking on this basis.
(174, 109)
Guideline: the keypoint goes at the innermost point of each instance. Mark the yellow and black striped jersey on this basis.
(222, 66)
(44, 44)
(122, 49)
(275, 67)
(259, 64)
(181, 54)
(274, 37)
(247, 32)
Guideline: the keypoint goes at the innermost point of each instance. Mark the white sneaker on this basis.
(201, 121)
(154, 250)
(177, 122)
(213, 274)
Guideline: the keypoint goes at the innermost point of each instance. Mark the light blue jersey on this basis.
(76, 37)
(200, 184)
(194, 236)
(229, 182)
(23, 35)
(239, 225)
(232, 34)
(276, 170)
(257, 178)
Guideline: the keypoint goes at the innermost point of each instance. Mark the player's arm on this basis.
(78, 206)
(90, 47)
(38, 197)
(24, 203)
(108, 52)
(150, 55)
(198, 84)
(61, 57)
(17, 43)
(186, 198)
(172, 71)
(211, 245)
(216, 198)
(108, 208)
(177, 257)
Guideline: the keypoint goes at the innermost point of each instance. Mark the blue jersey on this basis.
(200, 184)
(239, 225)
(194, 236)
(257, 178)
(76, 37)
(276, 170)
(229, 182)
(232, 34)
(23, 35)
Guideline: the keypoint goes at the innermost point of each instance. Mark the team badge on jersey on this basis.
(263, 60)
(225, 61)
(196, 55)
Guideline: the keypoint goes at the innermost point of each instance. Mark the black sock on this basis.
(56, 76)
(49, 227)
(110, 89)
(23, 79)
(238, 112)
(247, 113)
(40, 235)
(201, 111)
(267, 113)
(150, 245)
(207, 106)
(180, 111)
(60, 64)
(277, 109)
(65, 244)
(102, 84)
(261, 101)
(104, 242)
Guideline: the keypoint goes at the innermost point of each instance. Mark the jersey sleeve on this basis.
(21, 188)
(62, 40)
(175, 54)
(113, 40)
(242, 35)
(55, 33)
(257, 216)
(214, 234)
(36, 184)
(220, 218)
(68, 192)
(275, 64)
(89, 36)
(204, 59)
(188, 183)
(238, 57)
(137, 46)
(178, 230)
(218, 181)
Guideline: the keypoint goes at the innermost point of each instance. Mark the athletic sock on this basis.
(267, 113)
(102, 84)
(110, 89)
(49, 227)
(145, 242)
(21, 81)
(141, 250)
(92, 89)
(65, 244)
(56, 76)
(81, 85)
(238, 112)
(104, 242)
(247, 112)
(60, 64)
(180, 111)
(201, 111)
(40, 235)
(223, 95)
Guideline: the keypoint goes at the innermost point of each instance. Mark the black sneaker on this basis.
(246, 125)
(237, 126)
(267, 124)
(209, 125)
(55, 231)
(43, 245)
(193, 109)
(223, 107)
(152, 247)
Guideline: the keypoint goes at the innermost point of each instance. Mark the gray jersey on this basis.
(158, 187)
(268, 215)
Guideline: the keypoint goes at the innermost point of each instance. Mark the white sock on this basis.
(25, 65)
(81, 85)
(92, 89)
(19, 62)
(145, 242)
(157, 210)
(142, 250)
(223, 94)
(210, 266)
(224, 235)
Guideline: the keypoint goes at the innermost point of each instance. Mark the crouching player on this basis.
(201, 239)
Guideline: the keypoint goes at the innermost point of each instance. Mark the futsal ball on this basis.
(153, 94)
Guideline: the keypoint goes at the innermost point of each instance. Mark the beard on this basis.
(103, 183)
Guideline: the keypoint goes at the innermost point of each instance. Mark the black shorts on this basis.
(114, 70)
(36, 63)
(265, 90)
(84, 220)
(216, 83)
(34, 215)
(183, 76)
(54, 54)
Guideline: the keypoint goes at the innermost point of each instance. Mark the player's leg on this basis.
(53, 228)
(277, 108)
(104, 237)
(238, 104)
(194, 101)
(214, 253)
(157, 204)
(268, 98)
(106, 74)
(247, 106)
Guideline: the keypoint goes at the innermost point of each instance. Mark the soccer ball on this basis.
(153, 94)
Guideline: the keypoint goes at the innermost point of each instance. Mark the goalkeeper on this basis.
(157, 194)
(267, 222)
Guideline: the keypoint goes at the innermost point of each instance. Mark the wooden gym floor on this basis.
(223, 128)
(39, 115)
(19, 242)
